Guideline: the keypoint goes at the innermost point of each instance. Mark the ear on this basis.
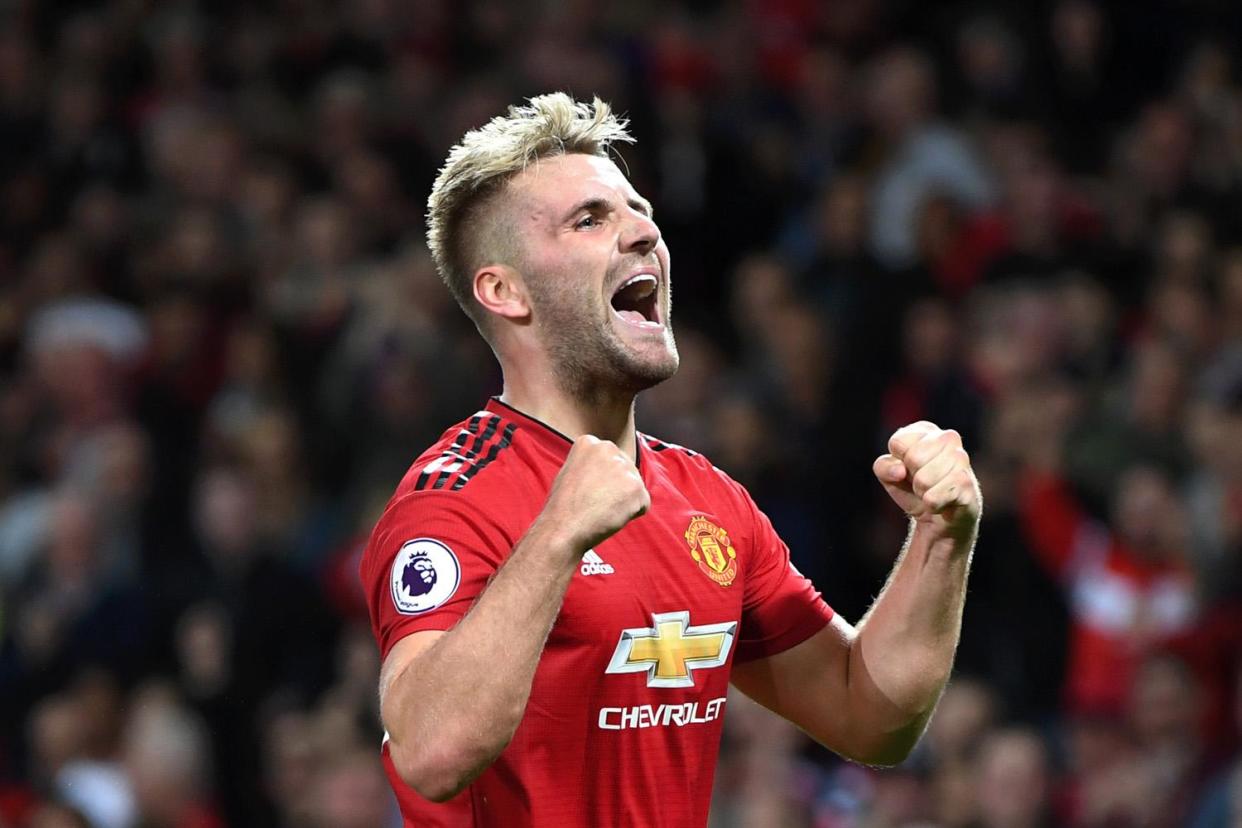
(500, 290)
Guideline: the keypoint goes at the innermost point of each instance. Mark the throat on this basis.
(608, 416)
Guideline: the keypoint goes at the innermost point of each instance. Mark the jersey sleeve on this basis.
(781, 607)
(429, 557)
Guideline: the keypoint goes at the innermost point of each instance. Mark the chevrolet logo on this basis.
(671, 650)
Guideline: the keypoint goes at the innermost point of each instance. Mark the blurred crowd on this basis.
(222, 341)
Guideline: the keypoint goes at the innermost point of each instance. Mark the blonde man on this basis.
(561, 601)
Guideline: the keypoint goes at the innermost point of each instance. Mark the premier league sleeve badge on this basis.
(425, 574)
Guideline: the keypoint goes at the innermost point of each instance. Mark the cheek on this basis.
(571, 284)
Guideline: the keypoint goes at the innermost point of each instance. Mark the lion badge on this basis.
(425, 574)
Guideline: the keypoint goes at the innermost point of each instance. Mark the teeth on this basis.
(639, 278)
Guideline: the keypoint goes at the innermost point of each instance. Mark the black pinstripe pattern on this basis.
(503, 443)
(472, 427)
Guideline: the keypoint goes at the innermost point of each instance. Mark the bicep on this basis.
(807, 684)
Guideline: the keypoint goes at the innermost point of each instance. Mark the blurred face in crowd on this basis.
(965, 712)
(1013, 780)
(1165, 702)
(596, 272)
(762, 289)
(56, 734)
(930, 337)
(353, 793)
(72, 549)
(224, 515)
(899, 90)
(1148, 513)
(843, 215)
(290, 765)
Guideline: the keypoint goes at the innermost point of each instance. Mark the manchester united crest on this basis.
(711, 550)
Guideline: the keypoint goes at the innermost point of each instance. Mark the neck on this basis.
(608, 416)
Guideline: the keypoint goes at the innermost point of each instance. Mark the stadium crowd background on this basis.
(222, 341)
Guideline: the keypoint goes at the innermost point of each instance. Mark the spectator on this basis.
(222, 341)
(1015, 784)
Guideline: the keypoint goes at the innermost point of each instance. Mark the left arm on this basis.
(867, 692)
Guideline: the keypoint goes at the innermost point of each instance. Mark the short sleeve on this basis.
(429, 557)
(781, 607)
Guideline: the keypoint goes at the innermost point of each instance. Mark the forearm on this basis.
(903, 653)
(488, 658)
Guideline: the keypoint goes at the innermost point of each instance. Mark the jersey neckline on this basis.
(559, 438)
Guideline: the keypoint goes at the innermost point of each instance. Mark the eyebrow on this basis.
(644, 204)
(595, 203)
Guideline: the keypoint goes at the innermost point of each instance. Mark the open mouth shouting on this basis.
(636, 301)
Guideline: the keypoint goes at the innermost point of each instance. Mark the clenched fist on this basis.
(927, 473)
(597, 492)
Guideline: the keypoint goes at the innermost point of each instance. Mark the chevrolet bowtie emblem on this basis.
(671, 650)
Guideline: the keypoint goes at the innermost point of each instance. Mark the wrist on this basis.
(944, 536)
(558, 539)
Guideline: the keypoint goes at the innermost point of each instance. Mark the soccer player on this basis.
(561, 601)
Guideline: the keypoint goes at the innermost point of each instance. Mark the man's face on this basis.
(597, 273)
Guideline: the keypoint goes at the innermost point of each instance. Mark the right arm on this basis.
(438, 744)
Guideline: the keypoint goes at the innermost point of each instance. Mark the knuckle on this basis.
(923, 481)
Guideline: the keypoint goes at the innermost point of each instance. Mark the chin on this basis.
(601, 364)
(651, 375)
(648, 370)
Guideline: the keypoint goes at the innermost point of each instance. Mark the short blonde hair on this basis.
(487, 158)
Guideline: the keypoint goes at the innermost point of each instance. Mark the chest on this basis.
(678, 571)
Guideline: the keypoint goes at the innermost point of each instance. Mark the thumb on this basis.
(889, 469)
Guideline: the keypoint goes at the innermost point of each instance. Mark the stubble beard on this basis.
(591, 363)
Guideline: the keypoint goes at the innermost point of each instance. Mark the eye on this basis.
(586, 222)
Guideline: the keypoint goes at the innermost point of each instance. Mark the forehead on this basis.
(566, 179)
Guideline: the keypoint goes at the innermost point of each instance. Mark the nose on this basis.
(641, 235)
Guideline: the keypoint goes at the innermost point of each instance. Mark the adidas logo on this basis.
(593, 564)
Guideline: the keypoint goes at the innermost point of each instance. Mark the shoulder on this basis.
(467, 485)
(675, 459)
(690, 468)
(464, 454)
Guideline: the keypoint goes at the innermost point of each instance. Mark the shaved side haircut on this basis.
(465, 230)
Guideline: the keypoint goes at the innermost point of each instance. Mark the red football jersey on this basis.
(624, 718)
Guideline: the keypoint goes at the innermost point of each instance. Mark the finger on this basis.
(644, 503)
(957, 489)
(906, 437)
(938, 468)
(930, 447)
(889, 469)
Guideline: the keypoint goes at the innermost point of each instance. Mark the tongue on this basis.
(632, 316)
